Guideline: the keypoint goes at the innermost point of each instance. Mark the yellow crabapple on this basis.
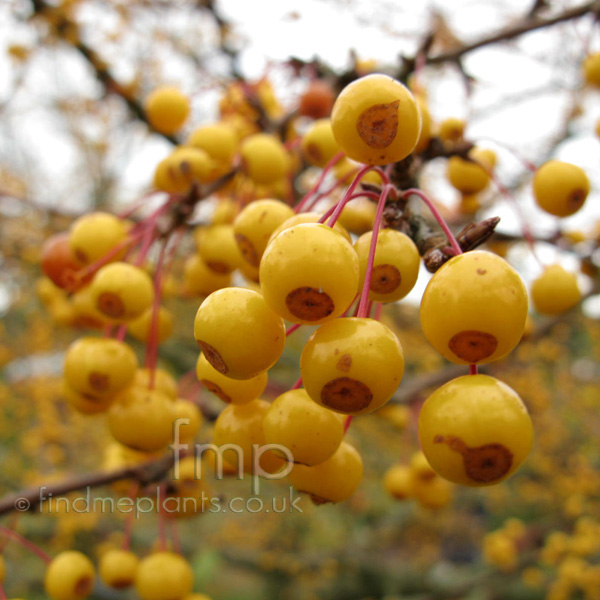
(333, 480)
(352, 365)
(94, 235)
(141, 328)
(255, 224)
(122, 292)
(117, 568)
(474, 308)
(555, 291)
(231, 391)
(376, 120)
(219, 250)
(398, 482)
(318, 144)
(100, 367)
(163, 576)
(219, 140)
(309, 274)
(167, 109)
(200, 280)
(395, 268)
(475, 430)
(240, 335)
(264, 158)
(70, 576)
(242, 426)
(560, 188)
(142, 419)
(591, 69)
(310, 432)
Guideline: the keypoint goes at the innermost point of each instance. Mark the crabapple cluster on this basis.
(266, 263)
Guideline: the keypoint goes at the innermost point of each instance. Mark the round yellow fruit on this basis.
(376, 120)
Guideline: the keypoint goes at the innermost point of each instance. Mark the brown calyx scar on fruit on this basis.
(83, 586)
(473, 346)
(385, 279)
(216, 390)
(378, 124)
(309, 304)
(344, 363)
(213, 357)
(576, 199)
(314, 152)
(217, 266)
(346, 395)
(316, 500)
(111, 305)
(247, 249)
(482, 464)
(99, 381)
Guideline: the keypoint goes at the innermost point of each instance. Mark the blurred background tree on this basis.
(75, 138)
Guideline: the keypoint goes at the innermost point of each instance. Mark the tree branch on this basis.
(510, 33)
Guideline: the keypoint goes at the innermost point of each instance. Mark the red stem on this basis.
(348, 422)
(152, 348)
(2, 593)
(297, 385)
(363, 307)
(473, 370)
(314, 189)
(438, 217)
(292, 328)
(17, 537)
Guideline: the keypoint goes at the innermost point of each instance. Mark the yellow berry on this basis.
(475, 430)
(200, 280)
(310, 432)
(309, 274)
(451, 129)
(432, 493)
(231, 391)
(218, 249)
(94, 235)
(218, 140)
(255, 224)
(352, 365)
(420, 467)
(398, 482)
(100, 367)
(560, 188)
(70, 576)
(167, 109)
(358, 215)
(395, 268)
(333, 480)
(122, 292)
(163, 576)
(376, 120)
(318, 144)
(591, 69)
(242, 426)
(474, 308)
(117, 568)
(264, 158)
(238, 333)
(467, 176)
(555, 291)
(142, 419)
(141, 328)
